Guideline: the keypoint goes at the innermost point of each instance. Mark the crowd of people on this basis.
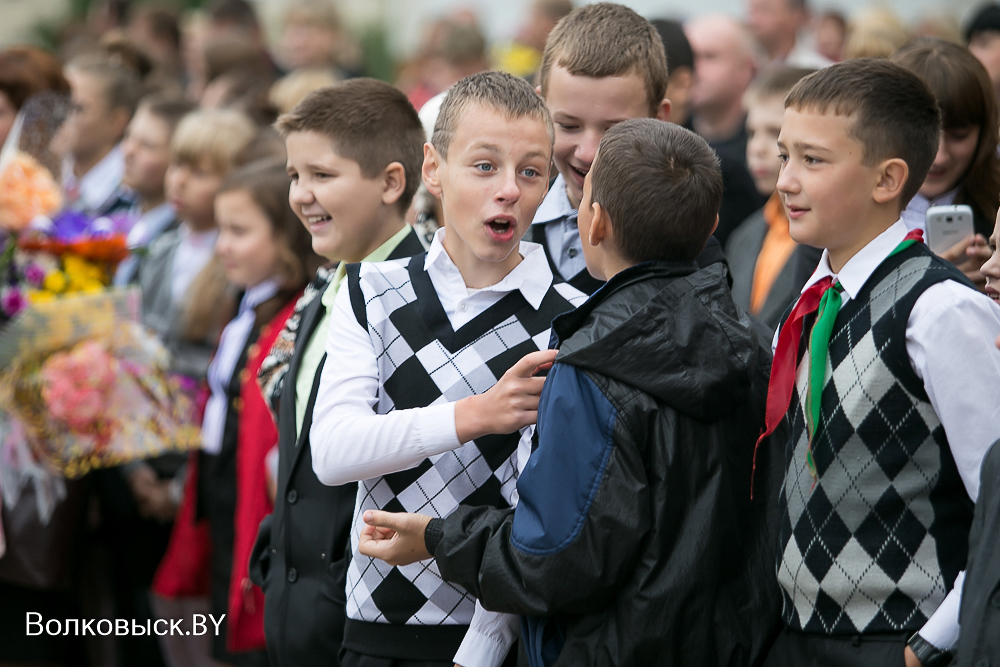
(620, 344)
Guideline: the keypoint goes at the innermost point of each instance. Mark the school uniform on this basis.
(745, 253)
(410, 334)
(878, 496)
(148, 227)
(174, 260)
(100, 191)
(554, 228)
(299, 559)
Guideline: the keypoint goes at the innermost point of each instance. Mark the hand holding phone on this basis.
(947, 225)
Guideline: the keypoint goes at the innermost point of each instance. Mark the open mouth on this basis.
(579, 173)
(501, 228)
(993, 293)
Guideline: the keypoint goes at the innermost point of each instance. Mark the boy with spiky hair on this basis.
(603, 64)
(436, 357)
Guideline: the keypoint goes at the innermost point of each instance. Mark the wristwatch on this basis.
(928, 654)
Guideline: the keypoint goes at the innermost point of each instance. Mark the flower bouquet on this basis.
(90, 386)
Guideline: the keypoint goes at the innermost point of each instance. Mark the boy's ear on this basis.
(716, 225)
(600, 225)
(663, 112)
(893, 174)
(393, 183)
(430, 171)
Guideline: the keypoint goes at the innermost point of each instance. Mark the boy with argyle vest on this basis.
(883, 368)
(435, 376)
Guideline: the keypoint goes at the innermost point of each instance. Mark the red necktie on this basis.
(779, 388)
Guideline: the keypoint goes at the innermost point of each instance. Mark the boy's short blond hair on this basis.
(216, 136)
(607, 39)
(500, 91)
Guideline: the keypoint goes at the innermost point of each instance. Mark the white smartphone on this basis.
(947, 225)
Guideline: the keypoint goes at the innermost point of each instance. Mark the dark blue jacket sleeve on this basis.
(583, 512)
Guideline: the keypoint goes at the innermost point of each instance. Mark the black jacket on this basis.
(635, 541)
(979, 641)
(301, 555)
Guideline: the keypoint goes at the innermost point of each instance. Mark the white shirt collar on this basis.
(915, 213)
(532, 276)
(555, 205)
(103, 179)
(149, 224)
(859, 268)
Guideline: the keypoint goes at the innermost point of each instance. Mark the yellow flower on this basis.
(40, 296)
(55, 282)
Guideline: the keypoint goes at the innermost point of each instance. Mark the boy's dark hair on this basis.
(510, 95)
(895, 114)
(675, 44)
(987, 19)
(236, 13)
(369, 122)
(606, 39)
(661, 185)
(169, 109)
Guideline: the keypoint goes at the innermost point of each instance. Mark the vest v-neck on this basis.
(436, 320)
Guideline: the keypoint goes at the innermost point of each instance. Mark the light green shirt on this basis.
(317, 344)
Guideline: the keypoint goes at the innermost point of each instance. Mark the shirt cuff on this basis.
(488, 641)
(941, 629)
(436, 431)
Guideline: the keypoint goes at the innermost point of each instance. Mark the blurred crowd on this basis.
(165, 104)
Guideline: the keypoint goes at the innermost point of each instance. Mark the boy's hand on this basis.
(969, 255)
(509, 405)
(395, 537)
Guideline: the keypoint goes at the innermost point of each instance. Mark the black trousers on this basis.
(800, 649)
(349, 658)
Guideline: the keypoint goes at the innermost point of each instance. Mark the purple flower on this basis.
(13, 302)
(34, 274)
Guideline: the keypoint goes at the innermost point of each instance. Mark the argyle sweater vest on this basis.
(423, 362)
(874, 542)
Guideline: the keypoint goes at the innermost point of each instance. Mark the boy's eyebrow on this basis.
(803, 146)
(494, 148)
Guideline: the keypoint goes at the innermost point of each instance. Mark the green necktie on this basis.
(819, 350)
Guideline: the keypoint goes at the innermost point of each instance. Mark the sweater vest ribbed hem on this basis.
(404, 642)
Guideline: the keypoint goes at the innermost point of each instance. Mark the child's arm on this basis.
(350, 442)
(573, 538)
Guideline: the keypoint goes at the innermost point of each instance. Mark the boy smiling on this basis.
(437, 354)
(603, 64)
(880, 368)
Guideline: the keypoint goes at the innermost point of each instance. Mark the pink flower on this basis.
(77, 384)
(34, 274)
(13, 302)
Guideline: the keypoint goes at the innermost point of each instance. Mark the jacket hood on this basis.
(667, 329)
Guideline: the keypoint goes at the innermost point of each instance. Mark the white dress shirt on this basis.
(558, 217)
(950, 338)
(344, 416)
(96, 187)
(192, 254)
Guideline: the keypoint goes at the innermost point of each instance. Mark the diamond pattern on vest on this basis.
(858, 554)
(417, 370)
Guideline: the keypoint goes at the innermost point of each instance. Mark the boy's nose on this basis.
(587, 148)
(297, 194)
(786, 179)
(509, 190)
